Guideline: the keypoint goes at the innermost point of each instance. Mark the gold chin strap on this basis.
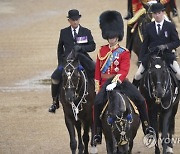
(114, 47)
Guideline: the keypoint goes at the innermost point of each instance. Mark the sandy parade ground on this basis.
(29, 33)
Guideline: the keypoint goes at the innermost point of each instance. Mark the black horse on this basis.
(77, 98)
(161, 91)
(120, 122)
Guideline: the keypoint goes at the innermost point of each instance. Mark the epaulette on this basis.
(136, 16)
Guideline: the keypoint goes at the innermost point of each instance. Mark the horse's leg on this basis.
(80, 144)
(109, 145)
(165, 129)
(71, 130)
(170, 145)
(86, 137)
(154, 121)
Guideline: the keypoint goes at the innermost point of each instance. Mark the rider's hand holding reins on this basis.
(162, 47)
(77, 47)
(111, 86)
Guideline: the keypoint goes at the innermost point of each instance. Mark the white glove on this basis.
(111, 86)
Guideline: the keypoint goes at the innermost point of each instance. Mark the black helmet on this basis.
(111, 24)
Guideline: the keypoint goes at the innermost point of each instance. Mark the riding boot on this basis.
(174, 8)
(54, 92)
(145, 120)
(97, 139)
(136, 82)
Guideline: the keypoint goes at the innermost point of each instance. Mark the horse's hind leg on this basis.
(71, 130)
(80, 144)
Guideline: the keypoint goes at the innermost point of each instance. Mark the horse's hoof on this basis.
(169, 150)
(93, 150)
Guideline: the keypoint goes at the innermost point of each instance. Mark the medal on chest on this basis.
(116, 63)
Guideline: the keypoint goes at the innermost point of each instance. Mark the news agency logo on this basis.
(149, 140)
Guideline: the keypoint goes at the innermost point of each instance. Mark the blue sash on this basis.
(110, 60)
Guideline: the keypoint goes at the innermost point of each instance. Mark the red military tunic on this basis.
(118, 68)
(136, 5)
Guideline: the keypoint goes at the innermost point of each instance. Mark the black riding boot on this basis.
(136, 82)
(97, 126)
(145, 120)
(130, 11)
(174, 8)
(54, 92)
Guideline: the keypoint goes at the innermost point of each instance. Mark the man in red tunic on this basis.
(113, 61)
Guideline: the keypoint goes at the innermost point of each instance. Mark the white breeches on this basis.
(174, 66)
(55, 81)
(139, 72)
(176, 69)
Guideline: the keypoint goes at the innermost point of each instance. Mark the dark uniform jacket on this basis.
(168, 36)
(67, 42)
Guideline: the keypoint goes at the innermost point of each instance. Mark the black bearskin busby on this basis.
(111, 24)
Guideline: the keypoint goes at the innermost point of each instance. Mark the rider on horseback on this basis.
(135, 6)
(113, 61)
(162, 35)
(77, 38)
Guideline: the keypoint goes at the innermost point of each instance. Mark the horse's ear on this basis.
(71, 56)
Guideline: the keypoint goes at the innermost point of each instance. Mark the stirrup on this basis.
(150, 131)
(97, 139)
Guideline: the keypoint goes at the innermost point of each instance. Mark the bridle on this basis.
(81, 90)
(151, 86)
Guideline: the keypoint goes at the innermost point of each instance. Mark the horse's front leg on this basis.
(80, 144)
(86, 136)
(165, 138)
(154, 122)
(71, 130)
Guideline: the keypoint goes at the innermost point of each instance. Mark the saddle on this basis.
(131, 102)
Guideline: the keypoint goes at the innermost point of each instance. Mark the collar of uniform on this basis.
(161, 23)
(77, 29)
(114, 47)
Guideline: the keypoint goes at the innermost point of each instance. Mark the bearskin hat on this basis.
(111, 24)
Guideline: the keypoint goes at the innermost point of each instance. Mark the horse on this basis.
(160, 88)
(77, 98)
(120, 122)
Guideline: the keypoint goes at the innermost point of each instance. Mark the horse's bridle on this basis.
(166, 88)
(69, 84)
